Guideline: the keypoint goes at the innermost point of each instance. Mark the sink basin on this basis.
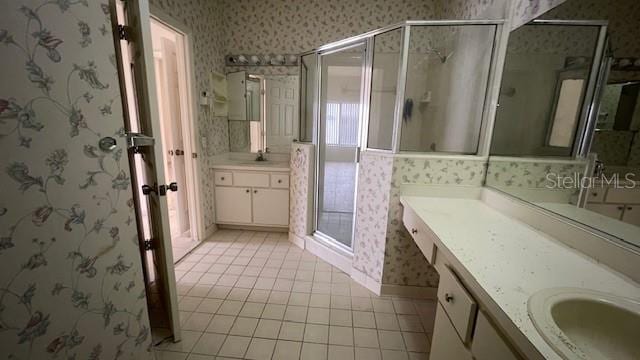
(586, 324)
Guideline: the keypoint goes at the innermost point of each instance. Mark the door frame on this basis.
(319, 134)
(190, 130)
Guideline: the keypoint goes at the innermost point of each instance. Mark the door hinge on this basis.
(124, 32)
(194, 155)
(136, 140)
(148, 245)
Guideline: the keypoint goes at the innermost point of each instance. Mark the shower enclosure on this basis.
(417, 86)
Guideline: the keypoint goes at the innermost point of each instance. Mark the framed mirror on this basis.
(566, 130)
(267, 108)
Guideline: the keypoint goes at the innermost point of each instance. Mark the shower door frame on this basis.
(362, 117)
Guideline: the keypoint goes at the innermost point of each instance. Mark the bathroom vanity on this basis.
(253, 193)
(491, 265)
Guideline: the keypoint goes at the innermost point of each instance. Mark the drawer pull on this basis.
(280, 181)
(414, 231)
(448, 297)
(255, 191)
(222, 178)
(248, 191)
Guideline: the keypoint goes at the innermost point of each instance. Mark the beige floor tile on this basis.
(295, 313)
(340, 352)
(386, 321)
(418, 356)
(367, 354)
(268, 329)
(260, 349)
(341, 317)
(291, 331)
(410, 323)
(341, 335)
(404, 307)
(244, 326)
(189, 339)
(383, 306)
(170, 355)
(235, 346)
(365, 338)
(221, 324)
(299, 299)
(311, 351)
(316, 333)
(250, 309)
(394, 355)
(209, 305)
(197, 321)
(200, 357)
(361, 303)
(318, 316)
(416, 342)
(320, 300)
(286, 350)
(273, 311)
(219, 292)
(391, 340)
(258, 295)
(340, 302)
(209, 344)
(279, 297)
(238, 294)
(363, 319)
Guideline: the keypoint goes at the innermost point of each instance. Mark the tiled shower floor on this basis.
(254, 295)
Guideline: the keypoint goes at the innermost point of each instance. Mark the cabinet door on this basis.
(446, 345)
(632, 215)
(610, 210)
(233, 205)
(271, 207)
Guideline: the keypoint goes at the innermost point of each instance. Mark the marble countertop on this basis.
(244, 164)
(510, 260)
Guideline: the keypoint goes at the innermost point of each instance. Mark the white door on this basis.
(233, 205)
(271, 207)
(281, 121)
(137, 83)
(167, 78)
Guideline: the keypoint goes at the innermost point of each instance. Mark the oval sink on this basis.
(586, 324)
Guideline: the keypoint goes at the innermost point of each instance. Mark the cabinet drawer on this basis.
(250, 179)
(280, 181)
(488, 344)
(223, 178)
(446, 344)
(596, 195)
(421, 234)
(457, 302)
(610, 210)
(625, 196)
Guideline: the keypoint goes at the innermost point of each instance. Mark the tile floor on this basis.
(254, 295)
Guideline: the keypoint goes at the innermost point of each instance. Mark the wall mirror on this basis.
(263, 112)
(565, 135)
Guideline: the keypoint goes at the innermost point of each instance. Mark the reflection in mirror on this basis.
(544, 114)
(308, 84)
(271, 115)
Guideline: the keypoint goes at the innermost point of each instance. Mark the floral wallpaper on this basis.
(404, 263)
(204, 19)
(239, 137)
(529, 173)
(301, 189)
(523, 11)
(71, 284)
(372, 209)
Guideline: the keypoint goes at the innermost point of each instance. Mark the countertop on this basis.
(235, 164)
(510, 260)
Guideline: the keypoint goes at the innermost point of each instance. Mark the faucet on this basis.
(261, 156)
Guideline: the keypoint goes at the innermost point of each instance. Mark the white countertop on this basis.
(237, 164)
(510, 260)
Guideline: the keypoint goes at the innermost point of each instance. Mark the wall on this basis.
(71, 282)
(301, 192)
(204, 20)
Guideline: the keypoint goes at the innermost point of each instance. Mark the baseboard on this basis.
(254, 228)
(366, 281)
(333, 257)
(208, 232)
(415, 292)
(297, 240)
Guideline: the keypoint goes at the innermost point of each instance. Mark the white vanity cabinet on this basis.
(259, 198)
(618, 203)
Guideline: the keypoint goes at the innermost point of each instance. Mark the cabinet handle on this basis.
(280, 181)
(248, 191)
(448, 297)
(629, 207)
(255, 191)
(594, 193)
(620, 207)
(222, 178)
(414, 231)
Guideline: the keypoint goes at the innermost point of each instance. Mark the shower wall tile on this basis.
(72, 281)
(404, 263)
(204, 19)
(372, 211)
(301, 189)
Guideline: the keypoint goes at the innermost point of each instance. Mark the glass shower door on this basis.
(341, 102)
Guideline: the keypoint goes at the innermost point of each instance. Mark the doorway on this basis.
(341, 100)
(170, 55)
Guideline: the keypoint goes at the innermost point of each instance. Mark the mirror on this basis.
(265, 112)
(565, 136)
